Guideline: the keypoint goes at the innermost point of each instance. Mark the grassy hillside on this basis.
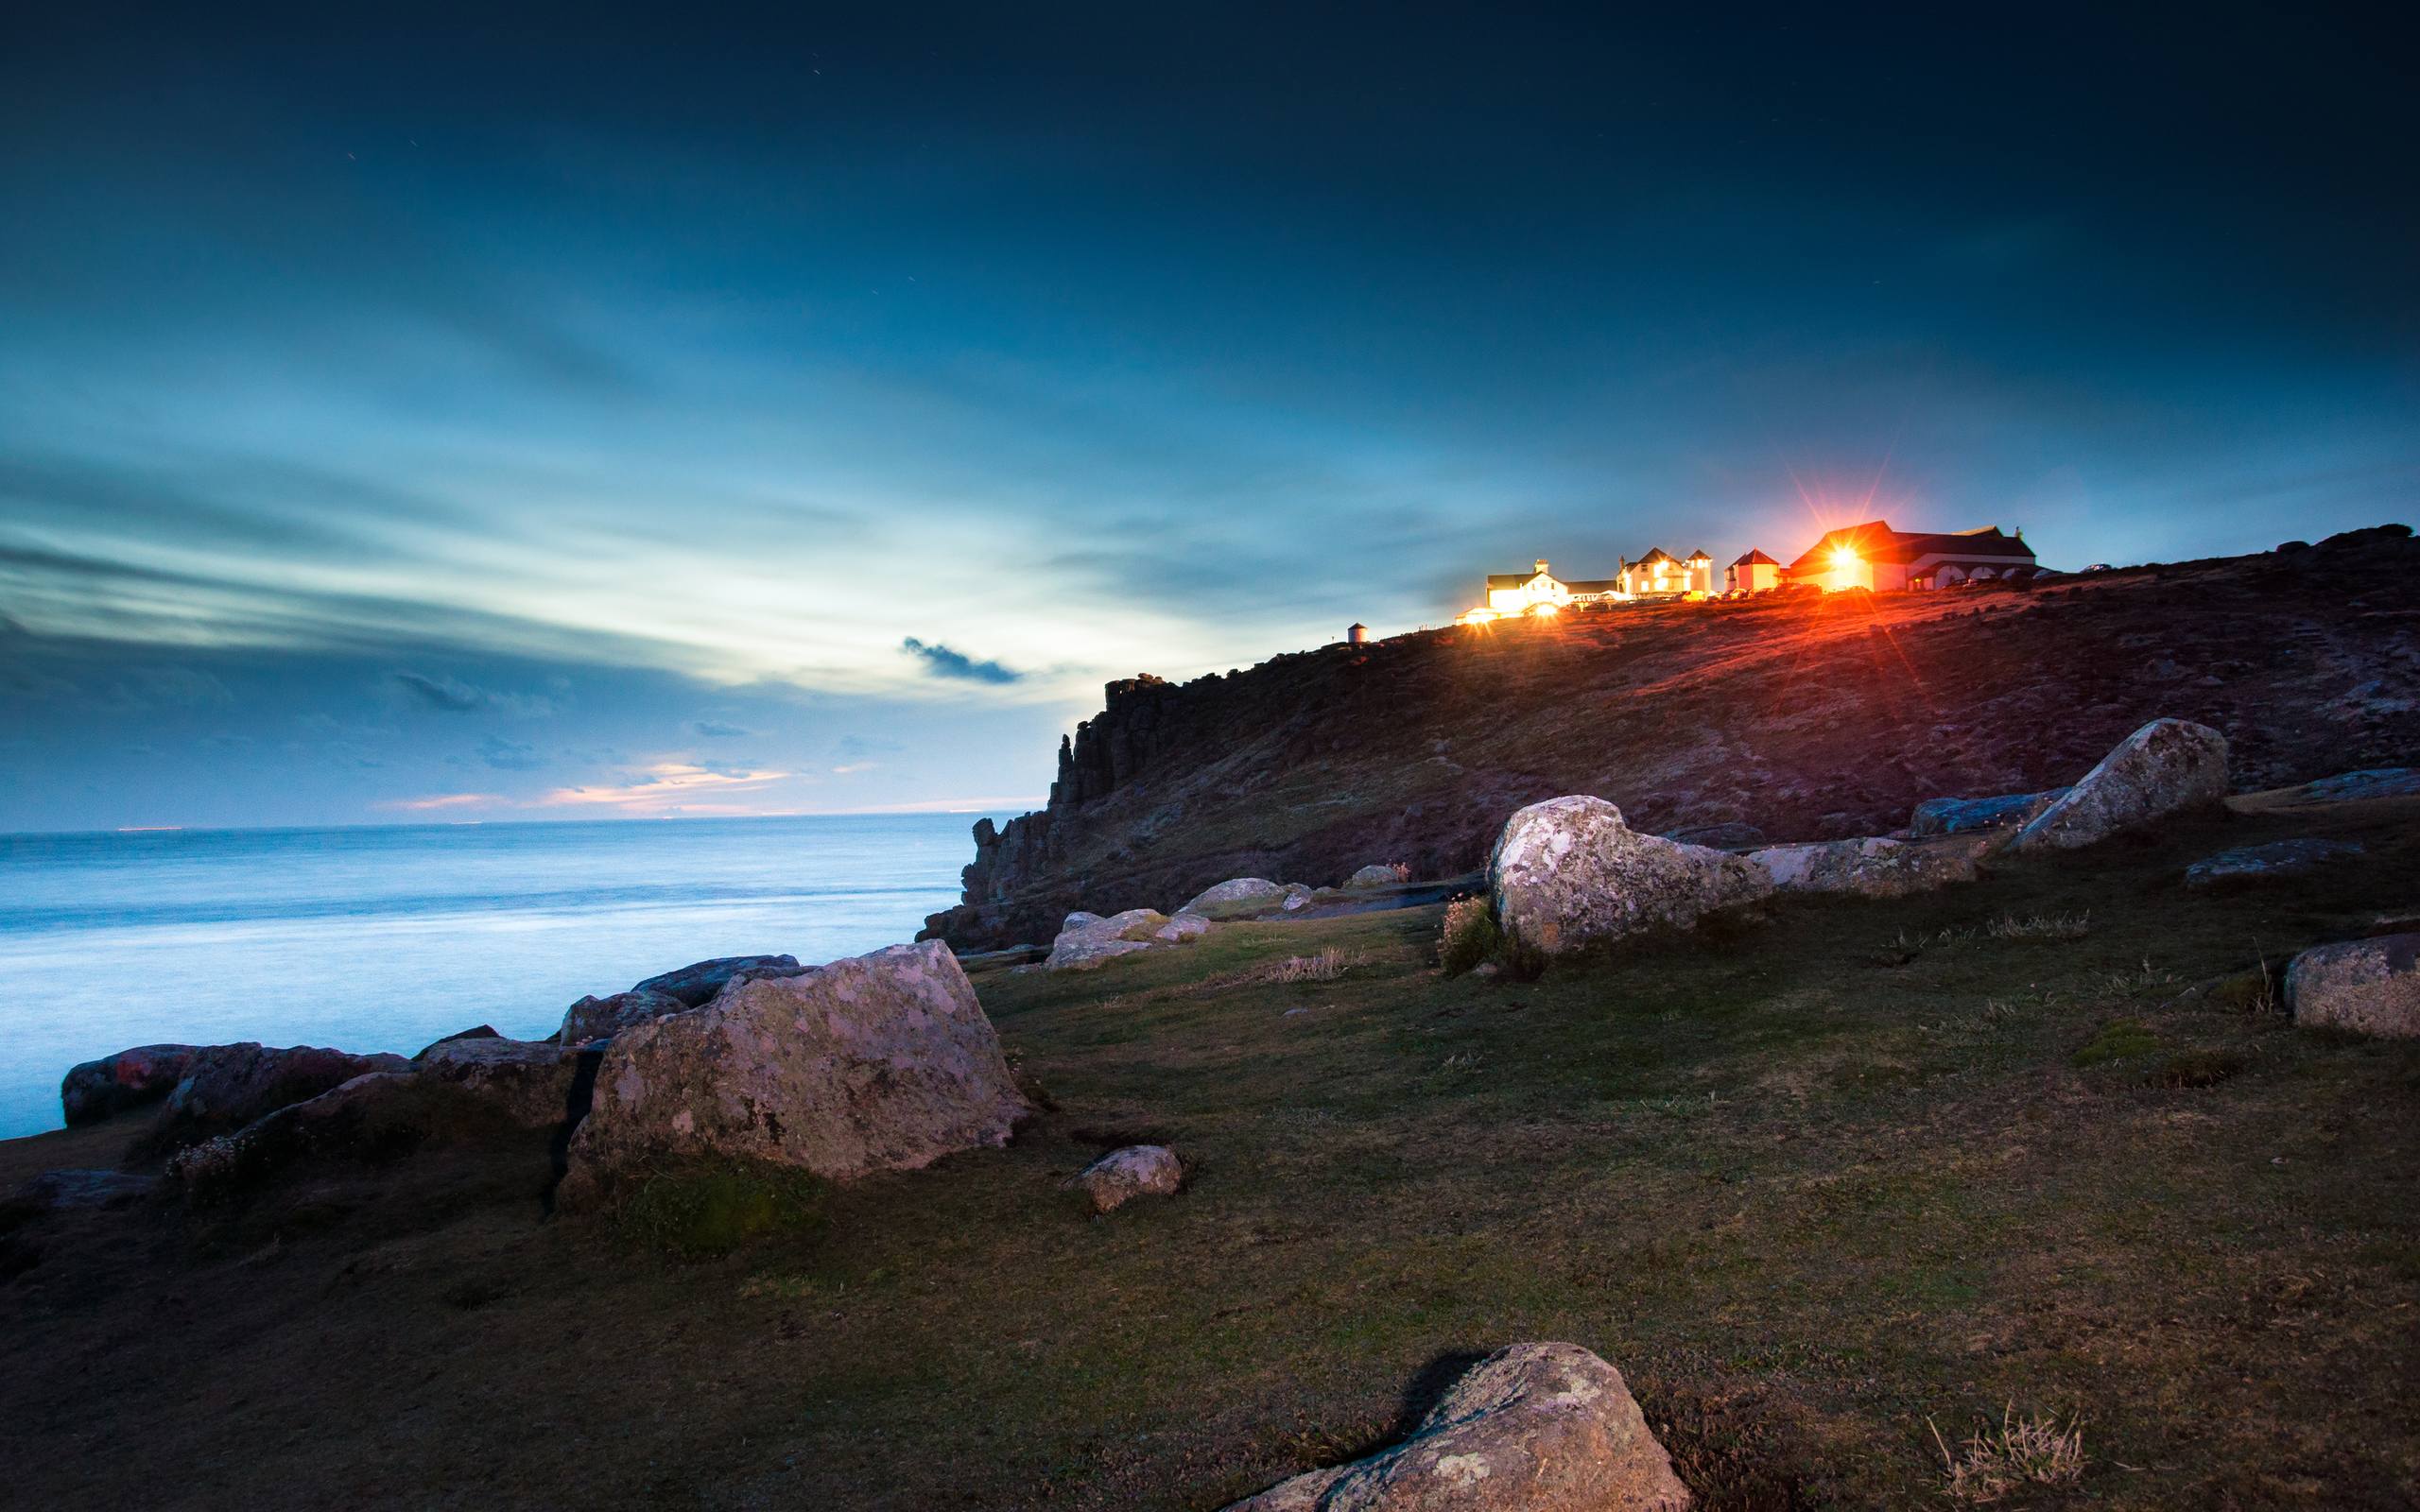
(2040, 1141)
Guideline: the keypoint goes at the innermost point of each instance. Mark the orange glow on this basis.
(1548, 609)
(1843, 555)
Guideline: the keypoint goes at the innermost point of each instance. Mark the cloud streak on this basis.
(942, 661)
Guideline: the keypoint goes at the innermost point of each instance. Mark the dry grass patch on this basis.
(2039, 926)
(2019, 1451)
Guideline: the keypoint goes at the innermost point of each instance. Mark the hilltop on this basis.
(1807, 717)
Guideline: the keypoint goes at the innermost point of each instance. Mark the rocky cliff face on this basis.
(1807, 718)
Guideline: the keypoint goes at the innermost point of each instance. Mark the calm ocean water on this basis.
(386, 938)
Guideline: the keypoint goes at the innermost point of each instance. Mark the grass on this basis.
(2014, 1452)
(701, 1212)
(1801, 1195)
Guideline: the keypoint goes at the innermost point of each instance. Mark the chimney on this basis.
(1542, 564)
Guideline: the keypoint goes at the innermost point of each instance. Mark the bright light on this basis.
(1477, 616)
(1843, 555)
(1548, 609)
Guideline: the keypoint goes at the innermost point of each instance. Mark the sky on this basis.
(428, 414)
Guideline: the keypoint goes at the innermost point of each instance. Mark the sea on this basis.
(387, 938)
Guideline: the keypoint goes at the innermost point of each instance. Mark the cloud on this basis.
(454, 696)
(441, 801)
(716, 730)
(856, 748)
(510, 755)
(855, 766)
(944, 662)
(665, 788)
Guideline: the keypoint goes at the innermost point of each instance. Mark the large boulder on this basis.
(1121, 1176)
(2168, 766)
(1731, 834)
(1873, 867)
(2367, 986)
(1963, 816)
(881, 1062)
(1090, 940)
(2268, 863)
(130, 1078)
(697, 984)
(527, 1080)
(373, 1115)
(1568, 873)
(1532, 1428)
(592, 1017)
(1247, 897)
(226, 1087)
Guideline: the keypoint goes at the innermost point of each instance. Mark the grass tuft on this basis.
(2119, 1040)
(701, 1212)
(2020, 1452)
(2040, 926)
(1471, 935)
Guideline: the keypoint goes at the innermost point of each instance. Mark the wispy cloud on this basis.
(442, 800)
(668, 786)
(454, 697)
(942, 661)
(510, 755)
(855, 766)
(716, 730)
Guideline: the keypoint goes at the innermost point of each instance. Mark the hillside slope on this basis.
(1803, 716)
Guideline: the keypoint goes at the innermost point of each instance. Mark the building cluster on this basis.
(1871, 556)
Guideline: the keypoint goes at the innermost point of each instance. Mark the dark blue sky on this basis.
(702, 410)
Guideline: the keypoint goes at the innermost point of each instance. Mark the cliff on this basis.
(1805, 716)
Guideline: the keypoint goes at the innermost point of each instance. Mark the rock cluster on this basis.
(1567, 873)
(226, 1087)
(592, 1019)
(2366, 986)
(1963, 816)
(1088, 940)
(2268, 863)
(98, 1089)
(879, 1062)
(1532, 1428)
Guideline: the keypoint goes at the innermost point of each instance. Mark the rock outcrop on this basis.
(130, 1078)
(879, 1062)
(1532, 1428)
(226, 1087)
(1873, 867)
(1567, 873)
(2353, 787)
(2268, 863)
(1121, 1176)
(2168, 766)
(697, 982)
(527, 1080)
(1247, 897)
(2366, 986)
(592, 1019)
(365, 1115)
(1089, 940)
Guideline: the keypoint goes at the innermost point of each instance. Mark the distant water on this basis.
(387, 938)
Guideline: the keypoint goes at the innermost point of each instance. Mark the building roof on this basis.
(1700, 555)
(1654, 555)
(1510, 580)
(1875, 540)
(1596, 585)
(1755, 559)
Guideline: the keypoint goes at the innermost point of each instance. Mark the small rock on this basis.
(2262, 862)
(1376, 876)
(1241, 897)
(1532, 1428)
(483, 1031)
(696, 984)
(1183, 929)
(1121, 1176)
(2368, 985)
(2168, 766)
(593, 1019)
(1568, 873)
(130, 1078)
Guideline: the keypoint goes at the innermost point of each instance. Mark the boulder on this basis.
(130, 1078)
(226, 1087)
(1730, 836)
(366, 1115)
(1376, 876)
(1532, 1428)
(1082, 946)
(1182, 930)
(881, 1062)
(527, 1080)
(1121, 1176)
(1568, 873)
(2168, 766)
(695, 985)
(592, 1017)
(1963, 816)
(482, 1031)
(1873, 867)
(2267, 863)
(2367, 986)
(1242, 898)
